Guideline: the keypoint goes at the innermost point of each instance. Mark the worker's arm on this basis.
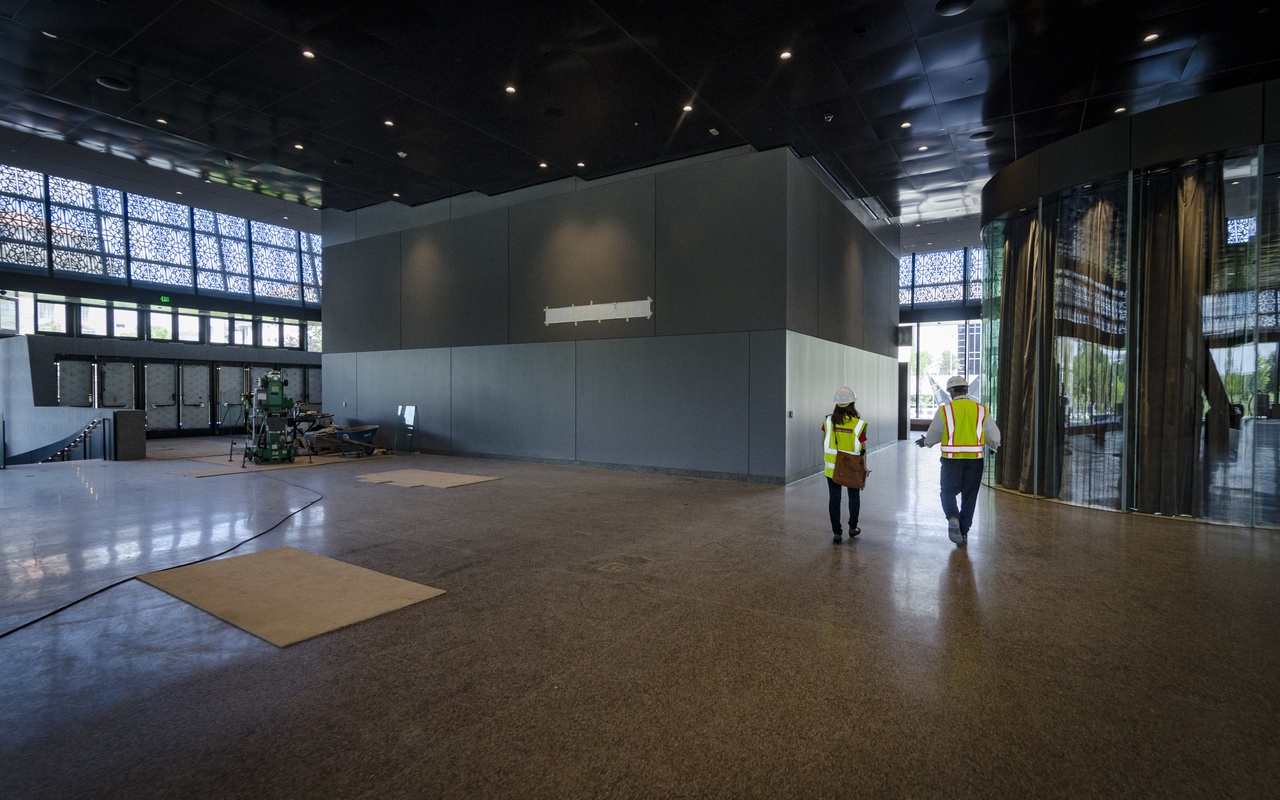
(934, 434)
(992, 434)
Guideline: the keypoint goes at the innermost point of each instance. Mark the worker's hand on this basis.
(920, 442)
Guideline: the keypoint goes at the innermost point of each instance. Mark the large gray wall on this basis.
(449, 316)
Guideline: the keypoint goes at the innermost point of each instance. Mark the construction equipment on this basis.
(269, 437)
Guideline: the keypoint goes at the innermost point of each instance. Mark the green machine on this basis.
(269, 437)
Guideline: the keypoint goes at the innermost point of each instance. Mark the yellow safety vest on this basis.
(841, 438)
(963, 435)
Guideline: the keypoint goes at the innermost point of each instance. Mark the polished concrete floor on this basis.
(611, 634)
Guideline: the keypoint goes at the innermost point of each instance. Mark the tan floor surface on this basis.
(234, 467)
(288, 595)
(410, 478)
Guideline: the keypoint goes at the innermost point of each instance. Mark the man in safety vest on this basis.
(965, 430)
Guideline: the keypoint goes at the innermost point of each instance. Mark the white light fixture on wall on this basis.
(633, 309)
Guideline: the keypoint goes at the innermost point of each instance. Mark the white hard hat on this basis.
(845, 396)
(957, 382)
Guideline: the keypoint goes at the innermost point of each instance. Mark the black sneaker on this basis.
(854, 532)
(835, 538)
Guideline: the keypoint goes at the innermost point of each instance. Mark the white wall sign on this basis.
(632, 309)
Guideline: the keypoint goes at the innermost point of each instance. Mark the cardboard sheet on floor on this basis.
(288, 595)
(410, 478)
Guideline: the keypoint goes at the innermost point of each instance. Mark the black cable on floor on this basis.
(283, 520)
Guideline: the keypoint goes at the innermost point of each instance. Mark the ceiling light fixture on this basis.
(162, 120)
(177, 192)
(581, 164)
(1151, 37)
(688, 107)
(982, 136)
(1121, 110)
(402, 154)
(114, 84)
(784, 55)
(542, 164)
(714, 132)
(389, 123)
(951, 8)
(395, 194)
(308, 54)
(297, 147)
(906, 125)
(923, 147)
(511, 90)
(344, 162)
(50, 35)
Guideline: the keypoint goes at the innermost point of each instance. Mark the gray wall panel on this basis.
(362, 295)
(804, 197)
(454, 283)
(591, 246)
(767, 437)
(515, 400)
(722, 246)
(389, 379)
(815, 369)
(342, 387)
(879, 309)
(840, 274)
(677, 402)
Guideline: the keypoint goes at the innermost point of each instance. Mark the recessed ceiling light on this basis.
(1151, 37)
(511, 90)
(714, 132)
(297, 147)
(688, 107)
(286, 218)
(50, 35)
(114, 84)
(784, 55)
(1121, 110)
(389, 123)
(253, 180)
(308, 54)
(950, 8)
(1235, 183)
(982, 136)
(395, 194)
(162, 120)
(344, 162)
(923, 147)
(906, 125)
(177, 192)
(581, 164)
(542, 164)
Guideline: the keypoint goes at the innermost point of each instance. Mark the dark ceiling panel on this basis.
(603, 83)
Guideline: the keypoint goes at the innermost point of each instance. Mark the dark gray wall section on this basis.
(722, 246)
(454, 282)
(841, 268)
(1271, 123)
(1241, 117)
(671, 402)
(342, 388)
(1099, 151)
(1218, 121)
(880, 310)
(804, 198)
(591, 246)
(389, 379)
(515, 400)
(362, 295)
(767, 430)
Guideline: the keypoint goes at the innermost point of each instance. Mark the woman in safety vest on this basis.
(843, 430)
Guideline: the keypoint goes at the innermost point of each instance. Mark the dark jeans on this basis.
(961, 476)
(833, 505)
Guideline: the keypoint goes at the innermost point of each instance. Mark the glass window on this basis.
(291, 335)
(125, 321)
(270, 333)
(22, 228)
(315, 337)
(87, 229)
(222, 252)
(219, 330)
(276, 266)
(8, 315)
(162, 326)
(160, 242)
(243, 331)
(51, 317)
(188, 328)
(26, 312)
(93, 321)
